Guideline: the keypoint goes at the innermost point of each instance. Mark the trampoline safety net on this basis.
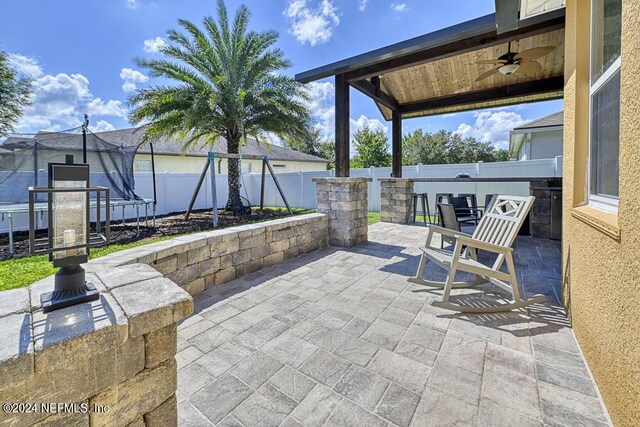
(24, 163)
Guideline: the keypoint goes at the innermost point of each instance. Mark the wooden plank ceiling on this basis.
(455, 76)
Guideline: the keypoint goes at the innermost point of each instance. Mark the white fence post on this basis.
(558, 165)
(301, 177)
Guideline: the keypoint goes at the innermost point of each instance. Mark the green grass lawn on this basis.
(374, 217)
(20, 272)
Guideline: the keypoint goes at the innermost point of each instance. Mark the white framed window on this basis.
(604, 104)
(245, 167)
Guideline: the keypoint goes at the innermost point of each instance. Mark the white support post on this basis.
(558, 166)
(301, 177)
(214, 195)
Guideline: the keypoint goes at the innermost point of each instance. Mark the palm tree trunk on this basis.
(233, 147)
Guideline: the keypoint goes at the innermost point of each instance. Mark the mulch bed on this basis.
(166, 225)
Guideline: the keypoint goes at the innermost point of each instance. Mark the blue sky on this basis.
(80, 54)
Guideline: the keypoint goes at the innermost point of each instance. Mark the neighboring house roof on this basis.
(552, 120)
(165, 146)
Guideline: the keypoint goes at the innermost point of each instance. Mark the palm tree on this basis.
(227, 85)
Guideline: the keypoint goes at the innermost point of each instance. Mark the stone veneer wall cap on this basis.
(14, 301)
(152, 304)
(342, 179)
(80, 329)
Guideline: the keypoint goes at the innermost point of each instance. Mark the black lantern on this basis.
(69, 237)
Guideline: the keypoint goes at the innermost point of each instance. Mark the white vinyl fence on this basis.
(175, 189)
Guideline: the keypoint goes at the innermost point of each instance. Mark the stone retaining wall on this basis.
(111, 362)
(200, 261)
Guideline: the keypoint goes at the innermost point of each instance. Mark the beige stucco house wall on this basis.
(194, 164)
(601, 251)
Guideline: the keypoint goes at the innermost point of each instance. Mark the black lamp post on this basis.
(69, 237)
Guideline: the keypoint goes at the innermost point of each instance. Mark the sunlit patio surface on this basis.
(338, 337)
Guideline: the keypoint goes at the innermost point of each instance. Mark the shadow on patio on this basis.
(338, 337)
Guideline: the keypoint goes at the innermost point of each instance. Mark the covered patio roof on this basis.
(435, 73)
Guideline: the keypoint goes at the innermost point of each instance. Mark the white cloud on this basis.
(363, 122)
(132, 4)
(130, 77)
(25, 65)
(60, 100)
(154, 45)
(313, 25)
(322, 108)
(129, 87)
(362, 5)
(102, 126)
(492, 126)
(399, 7)
(112, 107)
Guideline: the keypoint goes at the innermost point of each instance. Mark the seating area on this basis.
(465, 206)
(496, 233)
(339, 337)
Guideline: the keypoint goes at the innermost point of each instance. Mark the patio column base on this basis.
(395, 200)
(345, 201)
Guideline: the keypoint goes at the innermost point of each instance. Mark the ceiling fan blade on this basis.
(535, 53)
(491, 61)
(529, 68)
(487, 74)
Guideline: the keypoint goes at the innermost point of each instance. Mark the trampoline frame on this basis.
(10, 209)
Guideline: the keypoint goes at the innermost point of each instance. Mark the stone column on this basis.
(105, 362)
(395, 200)
(345, 201)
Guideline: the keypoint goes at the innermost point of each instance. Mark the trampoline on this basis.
(8, 210)
(24, 159)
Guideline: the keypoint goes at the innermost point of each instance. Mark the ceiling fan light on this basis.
(508, 69)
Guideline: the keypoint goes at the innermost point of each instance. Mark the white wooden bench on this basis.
(495, 233)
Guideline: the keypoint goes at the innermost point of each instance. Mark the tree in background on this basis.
(227, 85)
(445, 147)
(309, 144)
(372, 149)
(426, 148)
(328, 151)
(316, 146)
(15, 93)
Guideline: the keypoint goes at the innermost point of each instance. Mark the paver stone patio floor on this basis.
(339, 338)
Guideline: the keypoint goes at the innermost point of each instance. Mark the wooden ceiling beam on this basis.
(476, 42)
(373, 91)
(534, 87)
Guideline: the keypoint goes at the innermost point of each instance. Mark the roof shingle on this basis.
(132, 137)
(554, 119)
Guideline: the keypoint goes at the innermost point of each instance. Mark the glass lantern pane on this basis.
(69, 219)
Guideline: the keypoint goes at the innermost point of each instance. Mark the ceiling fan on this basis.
(523, 63)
